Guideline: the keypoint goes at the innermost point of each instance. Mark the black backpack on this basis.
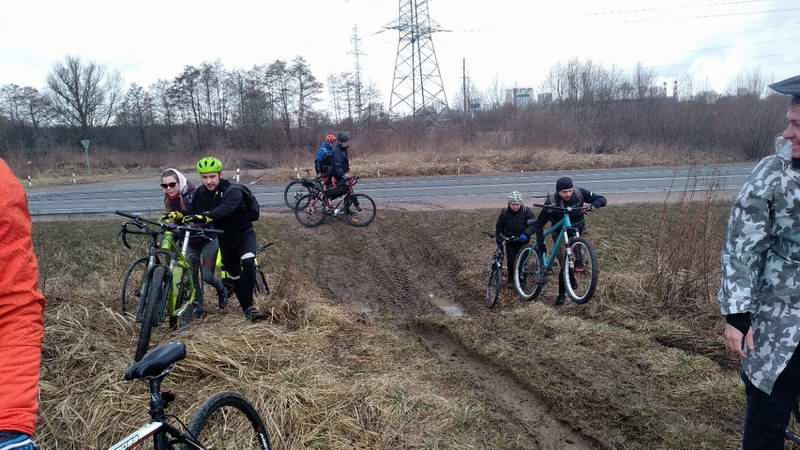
(249, 200)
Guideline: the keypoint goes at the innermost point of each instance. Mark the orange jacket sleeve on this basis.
(21, 310)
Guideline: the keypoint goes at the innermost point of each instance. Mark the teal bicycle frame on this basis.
(561, 228)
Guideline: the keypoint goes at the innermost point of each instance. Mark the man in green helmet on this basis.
(221, 202)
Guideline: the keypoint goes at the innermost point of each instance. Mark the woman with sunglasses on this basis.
(178, 193)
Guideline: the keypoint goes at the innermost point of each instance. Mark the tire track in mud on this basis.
(394, 270)
(510, 396)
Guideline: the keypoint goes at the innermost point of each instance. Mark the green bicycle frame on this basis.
(561, 228)
(177, 265)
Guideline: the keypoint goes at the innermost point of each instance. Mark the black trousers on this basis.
(767, 416)
(512, 250)
(238, 259)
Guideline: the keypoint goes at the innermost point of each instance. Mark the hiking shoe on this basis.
(16, 441)
(560, 300)
(222, 297)
(199, 311)
(254, 315)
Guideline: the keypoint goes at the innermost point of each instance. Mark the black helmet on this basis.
(341, 137)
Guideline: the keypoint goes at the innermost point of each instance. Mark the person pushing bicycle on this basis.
(178, 193)
(566, 196)
(513, 221)
(223, 203)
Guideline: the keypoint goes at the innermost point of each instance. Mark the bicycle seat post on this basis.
(157, 405)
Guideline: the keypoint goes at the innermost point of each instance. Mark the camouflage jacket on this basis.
(761, 265)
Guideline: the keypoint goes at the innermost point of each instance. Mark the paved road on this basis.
(145, 195)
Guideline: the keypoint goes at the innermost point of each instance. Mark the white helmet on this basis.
(515, 197)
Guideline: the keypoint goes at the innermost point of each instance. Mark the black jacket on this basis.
(511, 223)
(225, 205)
(579, 197)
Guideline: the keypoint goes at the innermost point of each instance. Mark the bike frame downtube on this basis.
(560, 228)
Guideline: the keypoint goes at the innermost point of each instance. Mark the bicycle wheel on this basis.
(310, 211)
(493, 286)
(227, 421)
(294, 190)
(186, 287)
(261, 286)
(580, 270)
(156, 291)
(132, 286)
(528, 278)
(362, 210)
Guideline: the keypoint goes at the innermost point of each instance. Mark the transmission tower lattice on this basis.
(417, 86)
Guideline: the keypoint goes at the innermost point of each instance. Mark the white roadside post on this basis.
(458, 165)
(237, 174)
(74, 181)
(30, 183)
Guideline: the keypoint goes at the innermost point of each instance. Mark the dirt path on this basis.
(398, 269)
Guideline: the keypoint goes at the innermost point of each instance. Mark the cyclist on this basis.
(178, 192)
(21, 319)
(339, 166)
(566, 196)
(323, 163)
(513, 221)
(222, 202)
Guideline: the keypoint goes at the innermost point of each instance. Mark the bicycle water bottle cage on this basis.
(157, 361)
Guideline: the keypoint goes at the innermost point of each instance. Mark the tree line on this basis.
(276, 106)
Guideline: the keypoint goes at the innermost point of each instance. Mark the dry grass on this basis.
(321, 376)
(56, 166)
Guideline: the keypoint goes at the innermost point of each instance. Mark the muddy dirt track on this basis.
(398, 269)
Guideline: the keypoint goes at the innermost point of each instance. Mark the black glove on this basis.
(197, 218)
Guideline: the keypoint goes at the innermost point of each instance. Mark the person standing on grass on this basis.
(178, 192)
(513, 221)
(223, 203)
(21, 319)
(566, 196)
(760, 290)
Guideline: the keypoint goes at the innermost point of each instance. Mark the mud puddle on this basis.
(447, 306)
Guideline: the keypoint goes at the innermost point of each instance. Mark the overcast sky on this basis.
(514, 42)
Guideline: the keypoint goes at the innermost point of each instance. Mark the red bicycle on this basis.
(357, 210)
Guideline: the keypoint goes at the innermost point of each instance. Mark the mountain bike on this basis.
(261, 286)
(356, 209)
(224, 421)
(579, 265)
(168, 286)
(496, 269)
(299, 187)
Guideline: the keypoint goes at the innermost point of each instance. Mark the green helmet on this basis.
(209, 164)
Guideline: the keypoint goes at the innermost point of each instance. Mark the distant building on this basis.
(519, 97)
(545, 98)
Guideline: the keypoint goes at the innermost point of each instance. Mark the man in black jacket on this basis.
(222, 203)
(513, 221)
(566, 196)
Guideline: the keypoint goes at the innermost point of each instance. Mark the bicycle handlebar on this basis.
(568, 209)
(503, 237)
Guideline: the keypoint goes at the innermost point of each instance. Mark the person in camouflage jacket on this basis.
(760, 290)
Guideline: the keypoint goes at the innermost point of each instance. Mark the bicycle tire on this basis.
(261, 287)
(251, 433)
(155, 292)
(132, 286)
(530, 286)
(312, 213)
(493, 286)
(367, 210)
(185, 318)
(574, 244)
(294, 190)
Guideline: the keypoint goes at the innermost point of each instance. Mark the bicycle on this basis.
(299, 187)
(168, 286)
(312, 209)
(496, 271)
(235, 414)
(261, 286)
(579, 266)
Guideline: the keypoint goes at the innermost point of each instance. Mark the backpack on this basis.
(249, 200)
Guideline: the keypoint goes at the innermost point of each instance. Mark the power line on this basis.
(750, 58)
(672, 8)
(707, 16)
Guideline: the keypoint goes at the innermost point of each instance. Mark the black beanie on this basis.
(563, 183)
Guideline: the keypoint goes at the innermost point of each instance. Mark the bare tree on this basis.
(82, 95)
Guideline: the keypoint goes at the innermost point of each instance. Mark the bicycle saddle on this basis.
(156, 360)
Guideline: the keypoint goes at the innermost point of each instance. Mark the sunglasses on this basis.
(170, 185)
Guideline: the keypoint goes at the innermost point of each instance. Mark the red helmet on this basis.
(330, 138)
